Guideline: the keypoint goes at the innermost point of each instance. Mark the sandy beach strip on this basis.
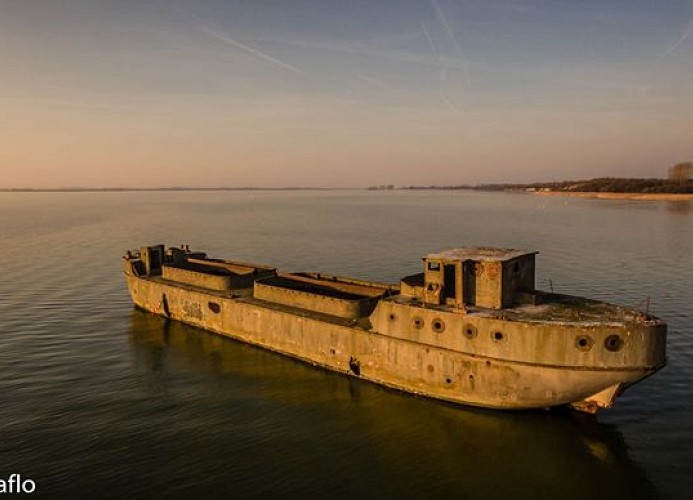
(621, 196)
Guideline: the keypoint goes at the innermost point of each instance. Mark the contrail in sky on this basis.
(393, 55)
(448, 102)
(436, 53)
(678, 42)
(255, 52)
(448, 31)
(430, 40)
(444, 23)
(443, 71)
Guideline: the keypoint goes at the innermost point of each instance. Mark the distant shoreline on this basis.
(620, 196)
(608, 188)
(164, 189)
(599, 189)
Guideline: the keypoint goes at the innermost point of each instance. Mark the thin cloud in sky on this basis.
(373, 81)
(255, 52)
(361, 49)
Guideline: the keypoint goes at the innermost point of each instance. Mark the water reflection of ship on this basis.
(436, 447)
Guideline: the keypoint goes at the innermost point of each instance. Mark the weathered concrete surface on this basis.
(197, 278)
(515, 358)
(324, 296)
(545, 343)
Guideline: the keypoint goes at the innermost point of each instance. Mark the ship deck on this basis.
(554, 308)
(558, 309)
(245, 295)
(570, 309)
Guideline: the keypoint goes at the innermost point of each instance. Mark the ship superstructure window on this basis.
(434, 266)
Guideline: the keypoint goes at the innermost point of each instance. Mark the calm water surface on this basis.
(99, 400)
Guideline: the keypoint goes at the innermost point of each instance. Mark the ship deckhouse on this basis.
(474, 276)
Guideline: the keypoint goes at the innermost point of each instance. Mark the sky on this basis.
(335, 93)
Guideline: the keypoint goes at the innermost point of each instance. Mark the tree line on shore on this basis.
(678, 181)
(603, 185)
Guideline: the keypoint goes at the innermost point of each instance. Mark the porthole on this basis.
(391, 316)
(613, 343)
(584, 342)
(498, 336)
(469, 331)
(418, 322)
(214, 307)
(438, 325)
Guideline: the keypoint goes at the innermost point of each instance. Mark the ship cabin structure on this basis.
(484, 277)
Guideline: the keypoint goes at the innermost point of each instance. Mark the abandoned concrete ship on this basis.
(470, 329)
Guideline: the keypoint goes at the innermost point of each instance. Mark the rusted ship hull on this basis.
(377, 334)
